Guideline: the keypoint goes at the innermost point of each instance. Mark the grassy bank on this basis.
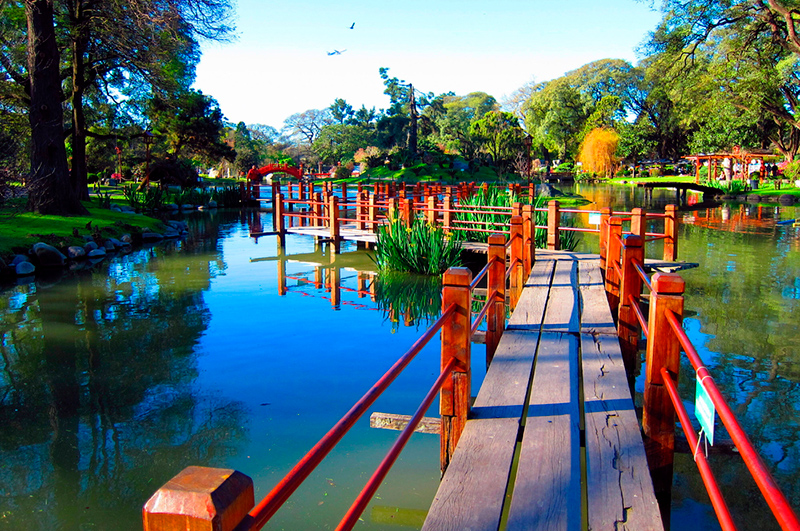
(19, 230)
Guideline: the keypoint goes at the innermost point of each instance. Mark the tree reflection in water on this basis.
(96, 395)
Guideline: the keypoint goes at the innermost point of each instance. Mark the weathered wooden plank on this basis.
(529, 312)
(563, 309)
(595, 313)
(473, 488)
(547, 491)
(395, 421)
(618, 481)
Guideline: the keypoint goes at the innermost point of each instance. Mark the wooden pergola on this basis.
(738, 155)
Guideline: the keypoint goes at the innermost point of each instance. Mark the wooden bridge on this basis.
(552, 441)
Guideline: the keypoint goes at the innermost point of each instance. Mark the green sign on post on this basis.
(704, 411)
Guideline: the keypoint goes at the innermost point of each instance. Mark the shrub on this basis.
(421, 248)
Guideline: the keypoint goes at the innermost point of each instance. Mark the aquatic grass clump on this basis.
(421, 248)
(477, 225)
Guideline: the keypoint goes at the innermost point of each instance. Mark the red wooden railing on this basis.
(366, 211)
(625, 277)
(206, 498)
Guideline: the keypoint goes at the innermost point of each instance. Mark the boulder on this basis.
(24, 269)
(48, 256)
(109, 247)
(75, 252)
(126, 239)
(90, 246)
(96, 253)
(171, 233)
(17, 259)
(115, 242)
(787, 199)
(753, 198)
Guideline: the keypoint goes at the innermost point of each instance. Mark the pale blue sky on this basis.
(279, 65)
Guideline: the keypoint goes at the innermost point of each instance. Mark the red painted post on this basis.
(495, 281)
(432, 215)
(528, 239)
(318, 210)
(605, 215)
(517, 274)
(447, 214)
(200, 499)
(613, 248)
(663, 350)
(671, 230)
(277, 216)
(361, 209)
(639, 222)
(516, 207)
(373, 213)
(628, 327)
(456, 342)
(334, 218)
(344, 193)
(407, 213)
(553, 222)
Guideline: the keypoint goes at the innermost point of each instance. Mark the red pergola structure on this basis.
(739, 155)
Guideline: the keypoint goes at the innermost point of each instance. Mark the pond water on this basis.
(222, 351)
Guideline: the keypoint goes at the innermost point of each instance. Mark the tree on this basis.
(598, 151)
(500, 136)
(338, 143)
(306, 125)
(191, 123)
(110, 49)
(341, 112)
(452, 115)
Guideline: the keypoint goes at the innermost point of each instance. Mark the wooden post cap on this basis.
(457, 276)
(668, 283)
(633, 240)
(200, 499)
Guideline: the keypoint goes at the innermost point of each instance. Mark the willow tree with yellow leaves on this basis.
(598, 151)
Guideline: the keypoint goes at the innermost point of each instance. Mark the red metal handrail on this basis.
(366, 494)
(769, 488)
(270, 504)
(714, 493)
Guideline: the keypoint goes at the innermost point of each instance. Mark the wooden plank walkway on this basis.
(553, 441)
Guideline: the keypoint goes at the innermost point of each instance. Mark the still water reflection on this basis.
(219, 351)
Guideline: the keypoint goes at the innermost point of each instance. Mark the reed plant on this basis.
(421, 248)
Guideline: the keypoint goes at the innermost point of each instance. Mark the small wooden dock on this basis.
(553, 440)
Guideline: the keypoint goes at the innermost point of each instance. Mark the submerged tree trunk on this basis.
(49, 190)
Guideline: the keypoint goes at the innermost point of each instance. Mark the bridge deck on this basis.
(553, 441)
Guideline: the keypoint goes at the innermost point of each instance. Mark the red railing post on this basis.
(447, 214)
(334, 218)
(432, 216)
(671, 231)
(663, 350)
(639, 222)
(318, 210)
(495, 282)
(200, 499)
(517, 273)
(373, 213)
(528, 239)
(277, 216)
(613, 247)
(553, 222)
(605, 215)
(628, 327)
(407, 211)
(361, 209)
(456, 342)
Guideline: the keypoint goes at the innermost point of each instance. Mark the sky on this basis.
(279, 62)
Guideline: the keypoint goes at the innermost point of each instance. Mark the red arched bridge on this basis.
(256, 174)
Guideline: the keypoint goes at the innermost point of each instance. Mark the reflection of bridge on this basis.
(681, 189)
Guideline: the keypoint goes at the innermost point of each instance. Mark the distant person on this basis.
(253, 175)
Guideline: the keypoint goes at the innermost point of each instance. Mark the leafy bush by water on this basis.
(421, 248)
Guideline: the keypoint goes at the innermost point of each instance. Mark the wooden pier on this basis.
(553, 440)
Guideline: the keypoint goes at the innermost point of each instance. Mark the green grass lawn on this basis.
(19, 230)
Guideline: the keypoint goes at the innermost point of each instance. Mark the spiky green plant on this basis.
(477, 225)
(421, 248)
